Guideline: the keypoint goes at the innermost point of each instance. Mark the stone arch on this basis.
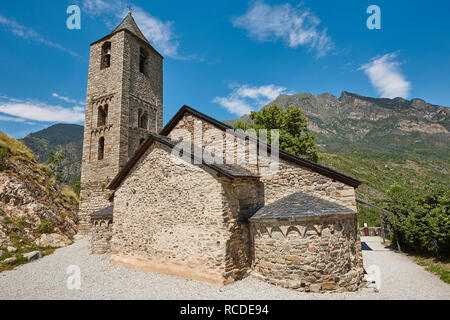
(263, 231)
(293, 231)
(143, 61)
(276, 232)
(311, 230)
(102, 117)
(143, 120)
(106, 55)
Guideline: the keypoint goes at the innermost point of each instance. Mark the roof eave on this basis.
(115, 183)
(306, 163)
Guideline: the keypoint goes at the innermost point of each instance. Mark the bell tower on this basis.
(124, 103)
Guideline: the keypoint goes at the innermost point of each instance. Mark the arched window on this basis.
(106, 55)
(101, 148)
(139, 117)
(143, 120)
(142, 62)
(141, 141)
(102, 119)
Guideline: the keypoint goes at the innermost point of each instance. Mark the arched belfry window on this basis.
(102, 119)
(101, 148)
(143, 120)
(106, 55)
(143, 62)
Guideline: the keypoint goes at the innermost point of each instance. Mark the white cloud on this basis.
(234, 105)
(22, 111)
(66, 99)
(29, 34)
(243, 99)
(12, 119)
(160, 34)
(296, 26)
(385, 75)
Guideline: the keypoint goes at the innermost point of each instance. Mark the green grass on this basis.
(23, 246)
(440, 268)
(16, 148)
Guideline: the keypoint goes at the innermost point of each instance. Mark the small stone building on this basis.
(151, 197)
(307, 244)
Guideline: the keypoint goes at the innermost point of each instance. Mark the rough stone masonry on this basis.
(214, 222)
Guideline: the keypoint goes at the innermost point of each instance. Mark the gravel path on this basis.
(47, 279)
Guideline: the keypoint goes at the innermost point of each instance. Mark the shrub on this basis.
(422, 218)
(4, 152)
(45, 226)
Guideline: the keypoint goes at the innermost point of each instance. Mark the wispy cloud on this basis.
(17, 110)
(12, 119)
(66, 99)
(295, 26)
(29, 34)
(385, 75)
(244, 98)
(160, 33)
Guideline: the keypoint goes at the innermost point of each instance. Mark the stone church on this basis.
(216, 223)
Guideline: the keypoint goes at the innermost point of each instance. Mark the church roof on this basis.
(102, 214)
(231, 171)
(335, 175)
(300, 205)
(128, 24)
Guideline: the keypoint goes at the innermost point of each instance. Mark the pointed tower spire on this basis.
(130, 25)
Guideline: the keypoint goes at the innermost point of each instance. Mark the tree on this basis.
(55, 164)
(422, 218)
(295, 137)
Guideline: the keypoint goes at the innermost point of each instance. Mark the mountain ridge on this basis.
(67, 138)
(372, 124)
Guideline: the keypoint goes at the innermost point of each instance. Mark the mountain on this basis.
(67, 138)
(35, 212)
(380, 141)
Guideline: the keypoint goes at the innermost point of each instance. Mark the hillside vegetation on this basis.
(35, 213)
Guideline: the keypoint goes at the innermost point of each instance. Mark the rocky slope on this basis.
(67, 138)
(35, 214)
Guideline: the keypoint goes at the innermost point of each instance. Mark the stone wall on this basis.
(289, 178)
(124, 90)
(292, 178)
(308, 254)
(101, 236)
(170, 218)
(238, 198)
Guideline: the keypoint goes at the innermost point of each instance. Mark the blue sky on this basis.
(224, 58)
